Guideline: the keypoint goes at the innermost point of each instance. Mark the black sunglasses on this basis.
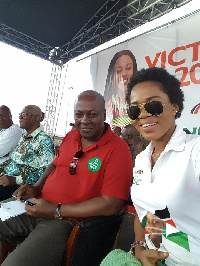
(154, 108)
(74, 162)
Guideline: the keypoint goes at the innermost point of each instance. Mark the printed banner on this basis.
(175, 47)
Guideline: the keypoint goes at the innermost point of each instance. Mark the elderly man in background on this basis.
(32, 155)
(10, 134)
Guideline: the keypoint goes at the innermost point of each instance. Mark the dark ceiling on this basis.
(53, 22)
(74, 26)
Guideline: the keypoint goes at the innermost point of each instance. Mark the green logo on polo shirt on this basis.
(94, 164)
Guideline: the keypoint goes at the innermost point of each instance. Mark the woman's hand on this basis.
(27, 192)
(42, 209)
(148, 257)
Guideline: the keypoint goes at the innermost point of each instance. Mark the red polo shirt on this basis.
(104, 169)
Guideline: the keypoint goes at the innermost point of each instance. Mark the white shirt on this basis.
(8, 141)
(174, 182)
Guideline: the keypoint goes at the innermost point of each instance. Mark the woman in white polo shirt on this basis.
(166, 174)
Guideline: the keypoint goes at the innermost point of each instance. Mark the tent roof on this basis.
(73, 26)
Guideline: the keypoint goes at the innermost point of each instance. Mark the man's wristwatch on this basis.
(58, 214)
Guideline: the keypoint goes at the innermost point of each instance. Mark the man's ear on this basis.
(37, 118)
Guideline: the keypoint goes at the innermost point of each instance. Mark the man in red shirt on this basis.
(90, 176)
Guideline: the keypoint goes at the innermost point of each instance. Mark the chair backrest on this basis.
(92, 240)
(126, 235)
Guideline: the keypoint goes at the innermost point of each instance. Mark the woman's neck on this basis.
(160, 144)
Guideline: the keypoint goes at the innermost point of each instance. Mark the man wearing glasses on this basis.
(32, 155)
(91, 176)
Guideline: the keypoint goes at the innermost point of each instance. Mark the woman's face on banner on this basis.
(123, 70)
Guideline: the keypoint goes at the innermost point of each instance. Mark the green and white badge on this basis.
(94, 164)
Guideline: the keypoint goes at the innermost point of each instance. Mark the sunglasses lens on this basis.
(133, 112)
(155, 108)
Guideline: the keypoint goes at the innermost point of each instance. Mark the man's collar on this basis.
(33, 134)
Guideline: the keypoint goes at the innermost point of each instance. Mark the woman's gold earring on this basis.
(175, 112)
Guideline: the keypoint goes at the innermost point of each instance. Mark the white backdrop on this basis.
(24, 79)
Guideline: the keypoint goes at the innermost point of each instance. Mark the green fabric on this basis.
(160, 263)
(119, 257)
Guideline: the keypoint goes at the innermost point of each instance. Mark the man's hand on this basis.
(149, 257)
(41, 209)
(6, 180)
(27, 192)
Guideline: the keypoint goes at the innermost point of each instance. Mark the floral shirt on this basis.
(32, 155)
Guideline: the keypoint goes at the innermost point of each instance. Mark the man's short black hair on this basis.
(170, 84)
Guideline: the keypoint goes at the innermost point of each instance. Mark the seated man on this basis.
(91, 176)
(31, 157)
(10, 134)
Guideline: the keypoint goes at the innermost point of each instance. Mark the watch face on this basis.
(58, 217)
(58, 214)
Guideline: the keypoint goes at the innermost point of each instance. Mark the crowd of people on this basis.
(97, 169)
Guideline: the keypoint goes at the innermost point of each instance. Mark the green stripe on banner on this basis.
(180, 238)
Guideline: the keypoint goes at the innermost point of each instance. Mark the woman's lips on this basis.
(148, 127)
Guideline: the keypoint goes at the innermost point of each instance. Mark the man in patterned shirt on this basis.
(32, 155)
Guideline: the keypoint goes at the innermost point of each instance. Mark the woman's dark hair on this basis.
(170, 85)
(109, 89)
